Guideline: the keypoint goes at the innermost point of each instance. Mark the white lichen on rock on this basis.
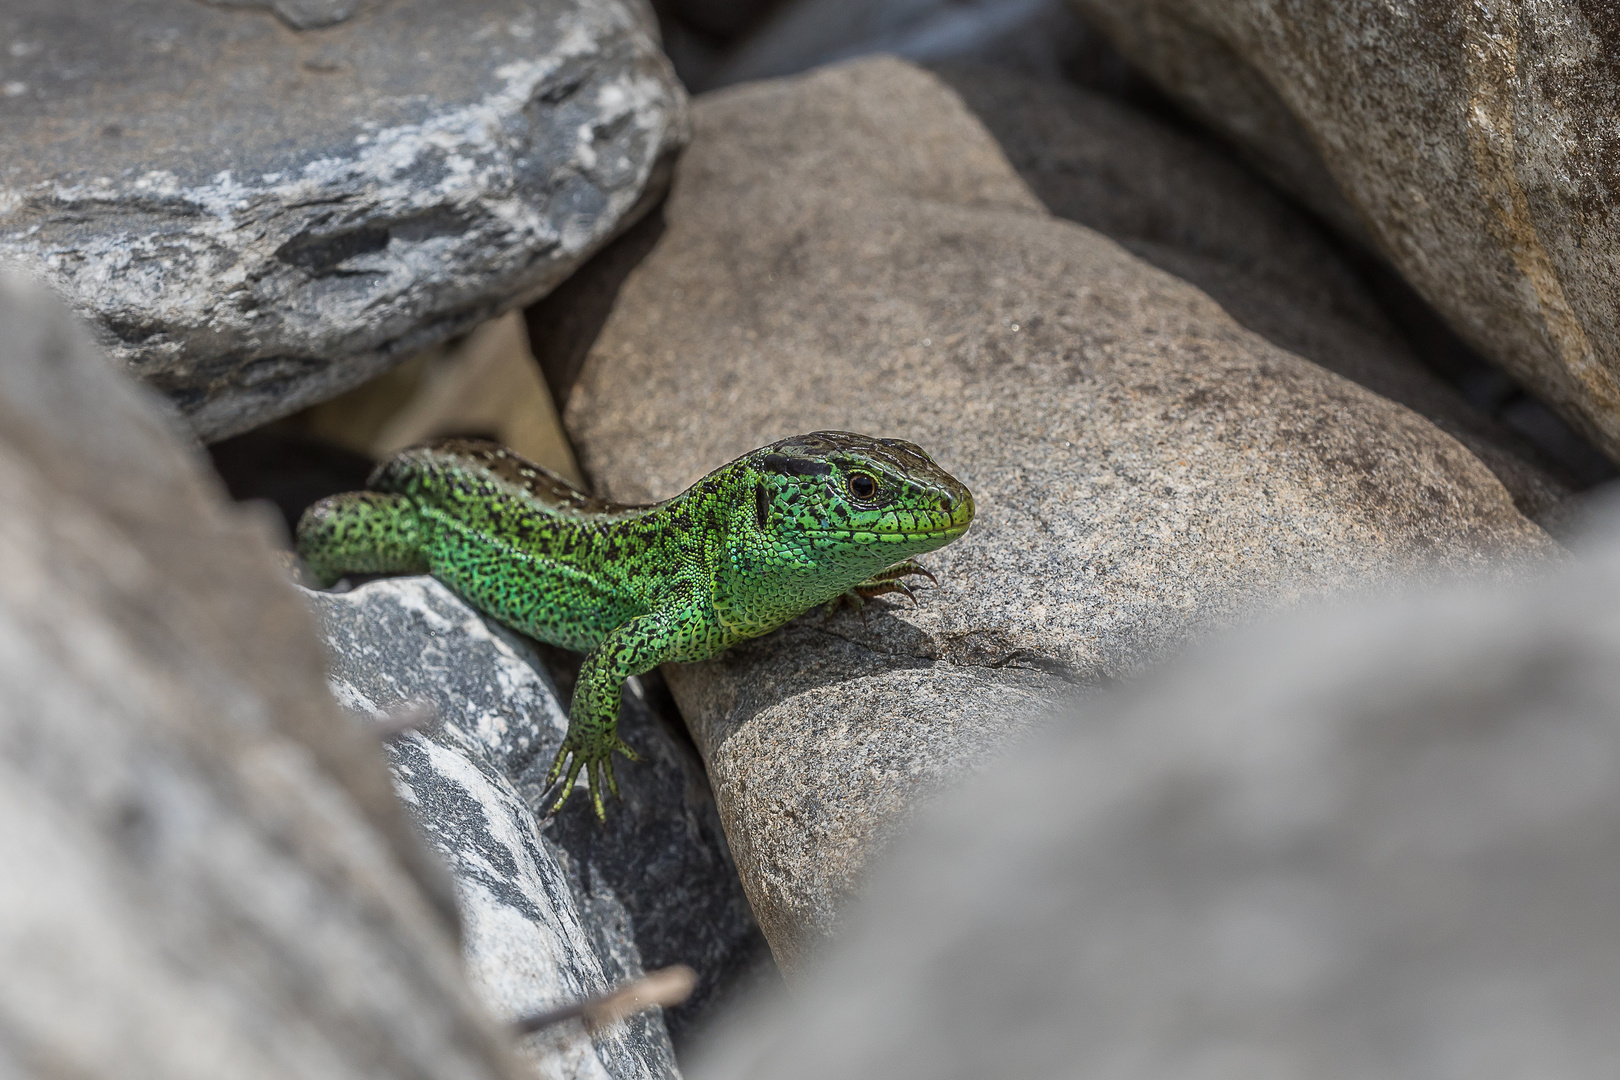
(269, 245)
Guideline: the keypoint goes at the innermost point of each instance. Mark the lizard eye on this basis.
(861, 486)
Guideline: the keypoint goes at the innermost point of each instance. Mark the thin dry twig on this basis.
(666, 986)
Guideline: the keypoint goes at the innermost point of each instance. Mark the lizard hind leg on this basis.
(361, 532)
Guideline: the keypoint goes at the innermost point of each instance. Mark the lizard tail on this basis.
(361, 532)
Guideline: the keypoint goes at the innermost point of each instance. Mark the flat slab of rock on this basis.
(851, 250)
(558, 911)
(206, 872)
(1376, 843)
(1185, 205)
(258, 217)
(1472, 143)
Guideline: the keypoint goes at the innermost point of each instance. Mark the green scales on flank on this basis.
(793, 525)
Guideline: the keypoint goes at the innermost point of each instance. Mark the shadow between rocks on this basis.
(809, 655)
(668, 866)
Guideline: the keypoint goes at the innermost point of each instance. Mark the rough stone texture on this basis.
(1473, 140)
(1368, 844)
(558, 909)
(851, 250)
(1183, 205)
(258, 218)
(206, 872)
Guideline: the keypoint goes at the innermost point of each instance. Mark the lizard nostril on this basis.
(946, 503)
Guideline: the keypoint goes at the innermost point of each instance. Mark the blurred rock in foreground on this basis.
(206, 872)
(554, 910)
(1473, 144)
(1369, 843)
(851, 249)
(258, 218)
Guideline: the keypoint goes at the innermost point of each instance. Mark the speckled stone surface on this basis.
(1188, 207)
(1473, 144)
(258, 217)
(851, 250)
(1368, 843)
(558, 909)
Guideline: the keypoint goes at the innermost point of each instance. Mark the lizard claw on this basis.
(595, 757)
(607, 765)
(907, 568)
(882, 588)
(879, 584)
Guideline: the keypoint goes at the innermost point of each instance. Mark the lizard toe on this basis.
(573, 775)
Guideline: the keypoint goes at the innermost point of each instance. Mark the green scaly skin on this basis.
(800, 523)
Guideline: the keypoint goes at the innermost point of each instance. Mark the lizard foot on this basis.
(909, 568)
(595, 756)
(879, 584)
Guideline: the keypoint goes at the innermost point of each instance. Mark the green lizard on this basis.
(802, 522)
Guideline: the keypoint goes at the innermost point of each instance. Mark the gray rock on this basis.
(1185, 206)
(1365, 844)
(300, 14)
(206, 872)
(1471, 143)
(566, 907)
(258, 218)
(851, 250)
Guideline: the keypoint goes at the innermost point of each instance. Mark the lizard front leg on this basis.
(879, 584)
(593, 719)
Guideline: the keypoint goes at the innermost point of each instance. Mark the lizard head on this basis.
(837, 500)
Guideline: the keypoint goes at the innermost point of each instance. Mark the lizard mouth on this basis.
(952, 531)
(941, 525)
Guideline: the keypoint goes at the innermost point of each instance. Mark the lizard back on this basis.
(523, 543)
(442, 471)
